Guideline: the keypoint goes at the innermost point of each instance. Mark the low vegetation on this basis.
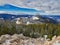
(31, 30)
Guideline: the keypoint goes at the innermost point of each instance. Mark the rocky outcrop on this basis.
(19, 39)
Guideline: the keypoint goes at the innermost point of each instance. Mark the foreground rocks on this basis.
(19, 39)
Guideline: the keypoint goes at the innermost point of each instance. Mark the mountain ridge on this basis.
(13, 16)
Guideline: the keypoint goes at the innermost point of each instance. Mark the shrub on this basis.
(31, 30)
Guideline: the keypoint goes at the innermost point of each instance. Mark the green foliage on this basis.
(7, 28)
(31, 30)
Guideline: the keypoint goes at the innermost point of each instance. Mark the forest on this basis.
(31, 30)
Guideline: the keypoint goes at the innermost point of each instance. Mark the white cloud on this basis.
(2, 11)
(19, 12)
(49, 6)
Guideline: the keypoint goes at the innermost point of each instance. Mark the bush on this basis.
(31, 30)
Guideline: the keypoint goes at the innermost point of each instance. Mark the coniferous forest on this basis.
(31, 30)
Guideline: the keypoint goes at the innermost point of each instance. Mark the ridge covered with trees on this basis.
(31, 30)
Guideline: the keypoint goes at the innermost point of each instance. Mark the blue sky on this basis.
(30, 6)
(12, 8)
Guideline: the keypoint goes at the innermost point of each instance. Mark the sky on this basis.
(48, 7)
(8, 8)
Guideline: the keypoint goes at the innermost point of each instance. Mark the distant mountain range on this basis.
(12, 16)
(52, 18)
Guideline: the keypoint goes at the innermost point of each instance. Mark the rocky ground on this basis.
(19, 39)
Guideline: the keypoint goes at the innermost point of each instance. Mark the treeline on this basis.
(31, 30)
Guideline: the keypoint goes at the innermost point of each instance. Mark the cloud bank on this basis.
(48, 6)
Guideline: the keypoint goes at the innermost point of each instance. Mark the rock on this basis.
(3, 38)
(20, 39)
(54, 37)
(15, 36)
(58, 38)
(15, 43)
(30, 43)
(7, 42)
